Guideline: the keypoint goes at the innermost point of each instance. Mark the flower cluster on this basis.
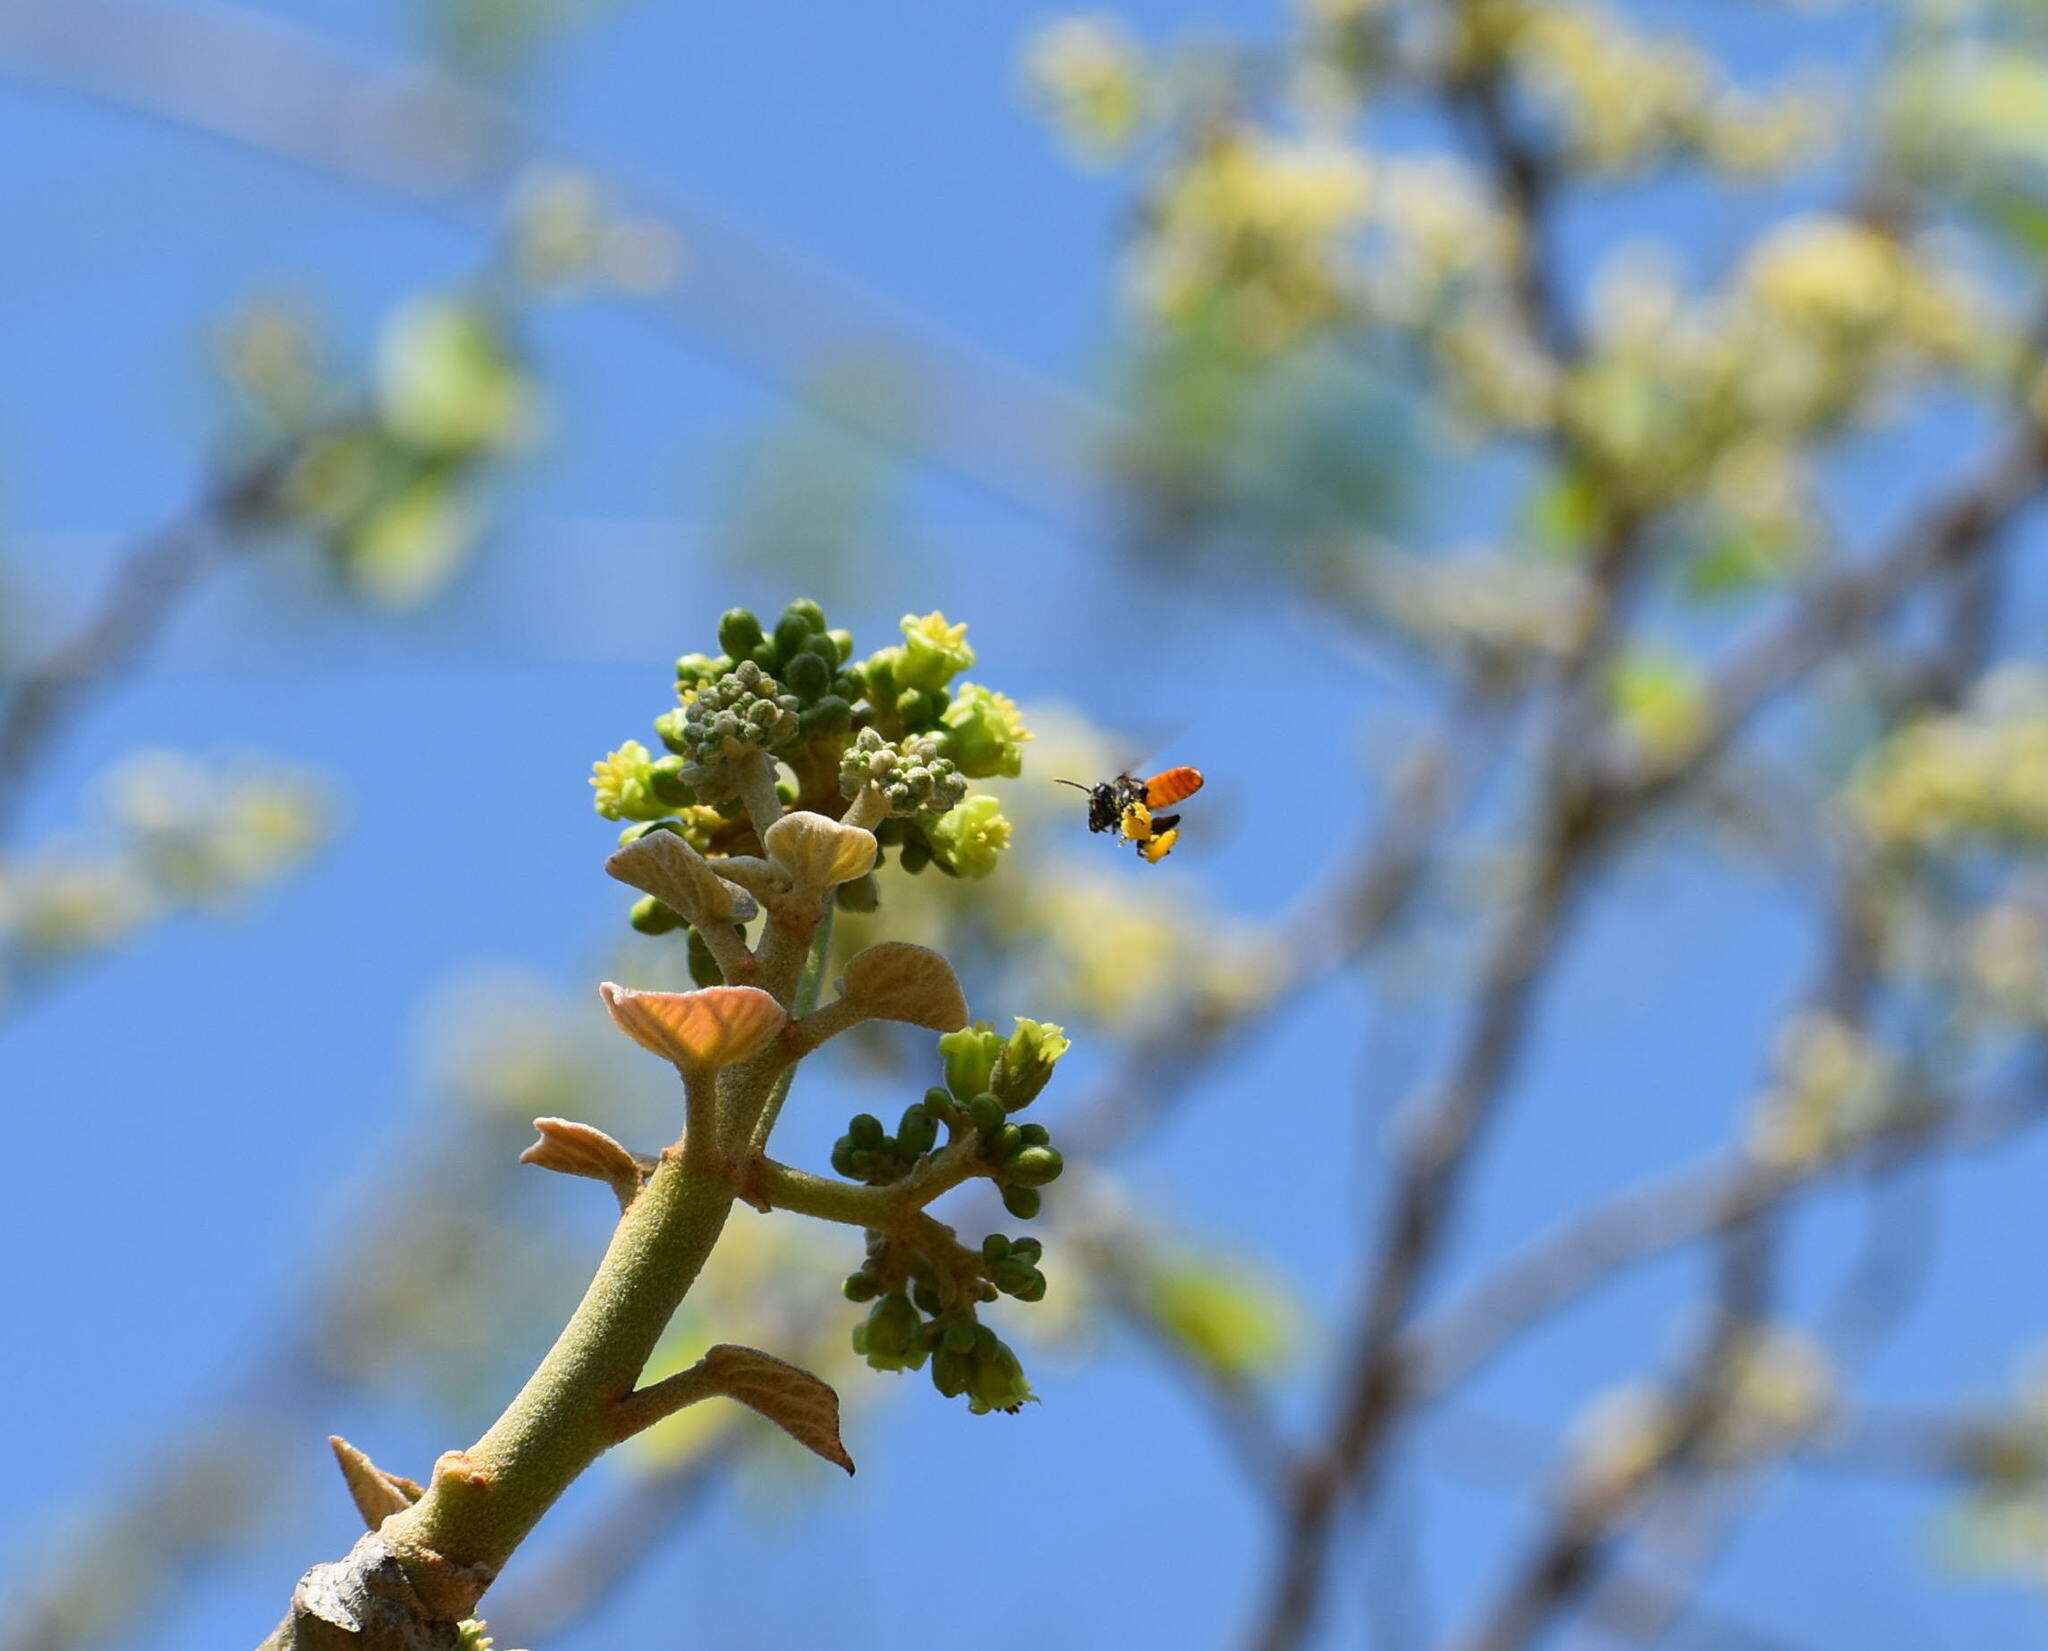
(1979, 775)
(926, 1288)
(888, 743)
(387, 489)
(172, 834)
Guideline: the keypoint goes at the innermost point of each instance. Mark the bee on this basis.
(1125, 806)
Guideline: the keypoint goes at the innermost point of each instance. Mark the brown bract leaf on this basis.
(804, 1407)
(818, 852)
(700, 1031)
(898, 981)
(376, 1494)
(584, 1149)
(663, 865)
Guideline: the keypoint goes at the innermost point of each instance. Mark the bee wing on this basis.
(1172, 785)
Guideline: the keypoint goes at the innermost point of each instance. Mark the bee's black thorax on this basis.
(1107, 801)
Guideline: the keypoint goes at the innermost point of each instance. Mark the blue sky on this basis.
(886, 145)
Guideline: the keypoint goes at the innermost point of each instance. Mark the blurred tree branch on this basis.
(276, 87)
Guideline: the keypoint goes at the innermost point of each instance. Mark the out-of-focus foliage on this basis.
(167, 834)
(384, 480)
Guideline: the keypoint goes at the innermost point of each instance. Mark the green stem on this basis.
(808, 989)
(757, 791)
(883, 1209)
(483, 1502)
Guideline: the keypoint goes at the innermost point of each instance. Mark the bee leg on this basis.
(1164, 822)
(1158, 848)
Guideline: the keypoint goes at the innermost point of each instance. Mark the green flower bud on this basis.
(640, 828)
(984, 734)
(862, 894)
(1012, 1274)
(1024, 1065)
(704, 969)
(809, 612)
(1033, 1289)
(1034, 1167)
(892, 1328)
(918, 1132)
(998, 1382)
(914, 856)
(866, 1131)
(831, 715)
(970, 836)
(792, 631)
(939, 1102)
(985, 1112)
(650, 916)
(665, 780)
(914, 706)
(970, 1057)
(1029, 1248)
(807, 675)
(926, 1294)
(739, 633)
(842, 1156)
(842, 645)
(860, 1287)
(1022, 1202)
(1034, 1135)
(694, 670)
(959, 1337)
(1006, 1142)
(951, 1372)
(669, 725)
(994, 1247)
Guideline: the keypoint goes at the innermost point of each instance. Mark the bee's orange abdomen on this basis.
(1165, 789)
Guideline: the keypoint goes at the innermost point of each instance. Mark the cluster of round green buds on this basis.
(914, 777)
(732, 716)
(1013, 1266)
(868, 1153)
(974, 1361)
(988, 1078)
(809, 660)
(967, 1358)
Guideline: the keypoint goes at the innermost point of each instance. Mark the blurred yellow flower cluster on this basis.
(2005, 953)
(1977, 775)
(1622, 100)
(1831, 1088)
(1255, 227)
(1772, 1388)
(1087, 73)
(172, 834)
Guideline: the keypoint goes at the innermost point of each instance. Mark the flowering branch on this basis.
(735, 1042)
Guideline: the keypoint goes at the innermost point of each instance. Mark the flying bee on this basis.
(1125, 806)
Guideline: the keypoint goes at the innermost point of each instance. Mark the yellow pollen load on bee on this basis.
(1155, 849)
(1136, 823)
